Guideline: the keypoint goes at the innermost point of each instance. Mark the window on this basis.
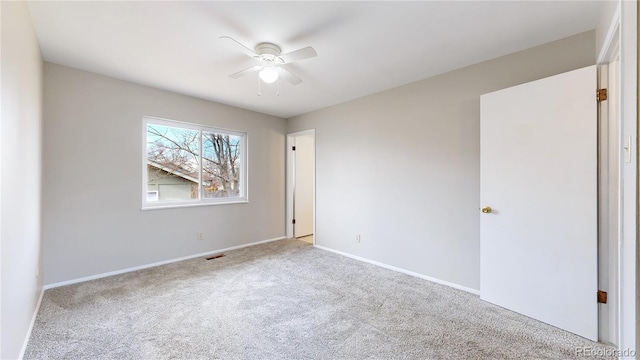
(187, 164)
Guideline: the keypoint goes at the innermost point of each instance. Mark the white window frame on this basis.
(244, 186)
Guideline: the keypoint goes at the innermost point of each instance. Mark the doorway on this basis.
(612, 153)
(538, 176)
(301, 186)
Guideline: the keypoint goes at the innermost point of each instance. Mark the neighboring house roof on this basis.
(183, 173)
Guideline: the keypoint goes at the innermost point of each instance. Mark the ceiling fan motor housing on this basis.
(268, 51)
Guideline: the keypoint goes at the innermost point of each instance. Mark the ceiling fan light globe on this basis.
(268, 75)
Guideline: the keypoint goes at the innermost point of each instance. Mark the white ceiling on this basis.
(363, 47)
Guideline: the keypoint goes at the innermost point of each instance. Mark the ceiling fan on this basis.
(270, 61)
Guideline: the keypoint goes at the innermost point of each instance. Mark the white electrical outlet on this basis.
(200, 236)
(358, 238)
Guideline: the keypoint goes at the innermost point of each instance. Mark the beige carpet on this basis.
(283, 300)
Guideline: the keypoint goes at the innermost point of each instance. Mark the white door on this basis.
(538, 247)
(303, 185)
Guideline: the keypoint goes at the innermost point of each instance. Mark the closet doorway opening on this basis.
(301, 171)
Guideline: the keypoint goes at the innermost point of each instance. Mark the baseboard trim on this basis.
(400, 270)
(33, 322)
(159, 263)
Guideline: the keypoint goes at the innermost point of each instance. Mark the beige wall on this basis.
(20, 220)
(92, 178)
(402, 169)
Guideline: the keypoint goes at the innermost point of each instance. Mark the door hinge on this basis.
(601, 95)
(293, 221)
(602, 297)
(293, 148)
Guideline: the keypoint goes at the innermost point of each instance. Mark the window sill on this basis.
(187, 205)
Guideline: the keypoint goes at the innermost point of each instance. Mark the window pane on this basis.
(172, 162)
(221, 165)
(190, 164)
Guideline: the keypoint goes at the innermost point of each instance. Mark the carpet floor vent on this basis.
(215, 257)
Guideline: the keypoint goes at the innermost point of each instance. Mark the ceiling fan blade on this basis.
(244, 72)
(244, 48)
(300, 54)
(285, 74)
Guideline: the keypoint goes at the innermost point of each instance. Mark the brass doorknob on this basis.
(486, 210)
